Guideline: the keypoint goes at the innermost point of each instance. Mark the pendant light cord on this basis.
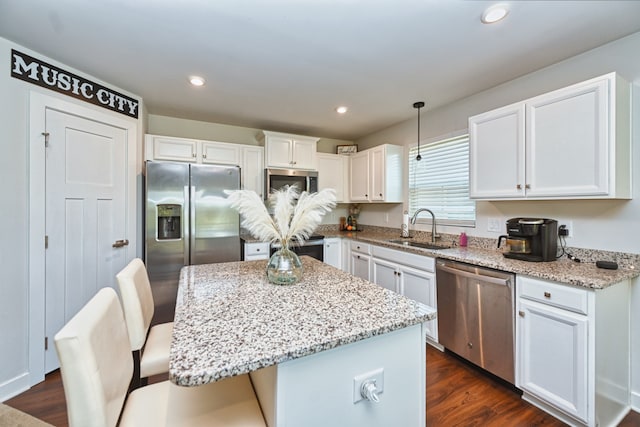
(418, 105)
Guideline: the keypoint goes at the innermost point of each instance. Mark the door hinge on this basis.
(46, 242)
(46, 138)
(46, 343)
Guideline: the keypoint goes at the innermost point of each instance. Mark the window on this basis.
(440, 181)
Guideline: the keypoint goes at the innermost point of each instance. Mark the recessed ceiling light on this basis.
(196, 81)
(495, 13)
(342, 109)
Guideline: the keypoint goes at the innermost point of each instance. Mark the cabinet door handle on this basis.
(366, 195)
(519, 187)
(521, 313)
(547, 294)
(380, 194)
(527, 186)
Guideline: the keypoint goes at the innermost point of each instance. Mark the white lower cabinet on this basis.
(408, 274)
(559, 376)
(360, 260)
(346, 255)
(256, 250)
(385, 274)
(333, 251)
(572, 350)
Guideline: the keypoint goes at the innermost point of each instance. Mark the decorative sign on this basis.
(32, 70)
(347, 149)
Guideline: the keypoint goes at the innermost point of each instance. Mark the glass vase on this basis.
(284, 267)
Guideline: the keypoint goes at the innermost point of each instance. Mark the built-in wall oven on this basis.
(314, 247)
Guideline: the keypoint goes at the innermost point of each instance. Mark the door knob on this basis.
(120, 243)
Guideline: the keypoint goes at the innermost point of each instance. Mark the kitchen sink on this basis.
(423, 245)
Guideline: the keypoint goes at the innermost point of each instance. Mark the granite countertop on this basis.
(583, 274)
(229, 320)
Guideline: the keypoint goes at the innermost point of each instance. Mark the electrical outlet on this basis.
(386, 218)
(494, 224)
(377, 376)
(568, 225)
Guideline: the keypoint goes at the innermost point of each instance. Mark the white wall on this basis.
(14, 217)
(608, 225)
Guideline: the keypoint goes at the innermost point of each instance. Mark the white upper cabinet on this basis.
(250, 158)
(333, 172)
(252, 169)
(170, 148)
(376, 174)
(290, 151)
(572, 143)
(221, 153)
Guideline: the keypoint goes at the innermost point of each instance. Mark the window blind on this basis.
(440, 181)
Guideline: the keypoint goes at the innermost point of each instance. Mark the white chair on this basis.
(96, 367)
(150, 347)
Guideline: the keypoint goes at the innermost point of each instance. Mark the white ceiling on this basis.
(285, 65)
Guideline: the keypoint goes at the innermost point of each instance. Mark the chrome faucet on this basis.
(434, 233)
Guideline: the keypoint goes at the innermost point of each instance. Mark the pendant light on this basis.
(418, 105)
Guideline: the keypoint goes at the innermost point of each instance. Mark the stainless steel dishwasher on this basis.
(476, 315)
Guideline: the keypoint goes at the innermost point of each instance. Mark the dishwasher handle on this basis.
(488, 279)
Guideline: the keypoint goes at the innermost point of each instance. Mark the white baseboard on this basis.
(14, 386)
(635, 401)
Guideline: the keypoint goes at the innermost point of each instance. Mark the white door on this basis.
(304, 154)
(279, 152)
(420, 286)
(360, 265)
(496, 153)
(552, 356)
(567, 146)
(253, 169)
(86, 180)
(385, 274)
(333, 252)
(359, 180)
(377, 174)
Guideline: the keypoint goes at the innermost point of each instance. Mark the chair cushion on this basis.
(230, 402)
(137, 301)
(95, 362)
(155, 357)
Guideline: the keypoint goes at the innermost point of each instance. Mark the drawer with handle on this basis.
(361, 247)
(256, 249)
(562, 296)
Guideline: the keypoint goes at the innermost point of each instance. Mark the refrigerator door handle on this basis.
(192, 222)
(185, 224)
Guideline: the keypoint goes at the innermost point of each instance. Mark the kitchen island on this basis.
(308, 346)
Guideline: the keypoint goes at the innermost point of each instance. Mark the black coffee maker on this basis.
(531, 239)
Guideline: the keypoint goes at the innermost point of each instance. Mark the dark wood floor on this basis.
(457, 395)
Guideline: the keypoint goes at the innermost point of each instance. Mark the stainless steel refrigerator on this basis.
(188, 221)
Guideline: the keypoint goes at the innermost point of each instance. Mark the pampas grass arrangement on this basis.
(295, 217)
(291, 221)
